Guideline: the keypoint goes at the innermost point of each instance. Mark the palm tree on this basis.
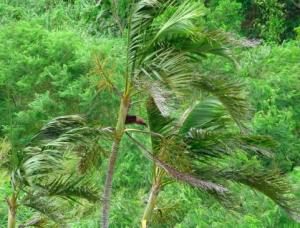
(203, 145)
(164, 47)
(40, 175)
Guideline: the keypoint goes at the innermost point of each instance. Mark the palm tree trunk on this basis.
(12, 211)
(124, 106)
(151, 203)
(108, 183)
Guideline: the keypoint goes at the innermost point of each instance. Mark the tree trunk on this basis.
(151, 204)
(108, 183)
(12, 211)
(124, 106)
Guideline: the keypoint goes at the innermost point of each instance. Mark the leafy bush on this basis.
(46, 73)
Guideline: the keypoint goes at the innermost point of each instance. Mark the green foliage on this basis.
(45, 51)
(227, 15)
(274, 92)
(47, 77)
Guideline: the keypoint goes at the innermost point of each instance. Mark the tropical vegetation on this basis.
(153, 92)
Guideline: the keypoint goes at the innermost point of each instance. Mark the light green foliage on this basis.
(274, 92)
(47, 76)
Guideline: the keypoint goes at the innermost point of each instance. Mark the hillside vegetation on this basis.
(234, 124)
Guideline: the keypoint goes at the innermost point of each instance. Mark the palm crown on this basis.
(164, 48)
(40, 175)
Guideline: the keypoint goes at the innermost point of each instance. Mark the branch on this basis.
(9, 206)
(7, 201)
(32, 222)
(296, 4)
(117, 90)
(134, 102)
(146, 132)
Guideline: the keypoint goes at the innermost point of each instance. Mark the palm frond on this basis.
(177, 175)
(70, 187)
(91, 157)
(44, 155)
(205, 42)
(228, 93)
(179, 23)
(169, 68)
(215, 144)
(156, 120)
(271, 183)
(58, 126)
(209, 111)
(47, 208)
(141, 17)
(206, 144)
(160, 97)
(255, 143)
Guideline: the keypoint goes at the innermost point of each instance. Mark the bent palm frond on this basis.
(177, 175)
(271, 183)
(229, 93)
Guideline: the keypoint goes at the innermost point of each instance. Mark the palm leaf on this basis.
(47, 208)
(160, 97)
(205, 42)
(177, 175)
(228, 92)
(44, 155)
(69, 187)
(271, 183)
(209, 111)
(211, 143)
(56, 127)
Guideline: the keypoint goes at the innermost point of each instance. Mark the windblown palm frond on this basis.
(47, 208)
(177, 175)
(206, 142)
(207, 114)
(228, 92)
(205, 42)
(57, 127)
(168, 68)
(143, 34)
(69, 187)
(41, 197)
(163, 45)
(45, 155)
(40, 173)
(271, 183)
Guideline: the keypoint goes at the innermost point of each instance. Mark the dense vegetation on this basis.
(54, 55)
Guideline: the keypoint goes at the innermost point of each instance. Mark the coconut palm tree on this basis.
(40, 176)
(164, 45)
